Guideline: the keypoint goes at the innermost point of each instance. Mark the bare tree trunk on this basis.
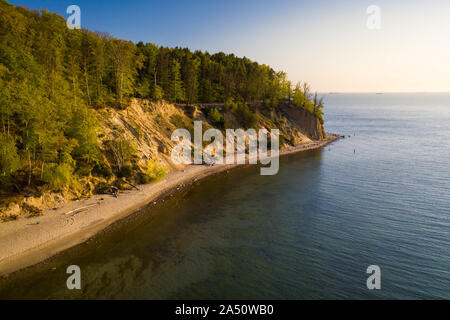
(121, 89)
(29, 168)
(42, 169)
(86, 77)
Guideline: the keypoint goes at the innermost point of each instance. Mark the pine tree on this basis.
(176, 93)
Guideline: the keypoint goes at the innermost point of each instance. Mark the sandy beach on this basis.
(26, 242)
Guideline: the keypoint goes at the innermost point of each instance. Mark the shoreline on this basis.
(25, 243)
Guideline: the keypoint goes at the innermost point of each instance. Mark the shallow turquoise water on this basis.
(380, 197)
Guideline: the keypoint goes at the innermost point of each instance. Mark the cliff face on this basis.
(147, 127)
(303, 120)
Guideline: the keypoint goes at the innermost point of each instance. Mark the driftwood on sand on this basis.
(78, 210)
(132, 185)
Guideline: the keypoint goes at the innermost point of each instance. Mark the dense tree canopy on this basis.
(51, 77)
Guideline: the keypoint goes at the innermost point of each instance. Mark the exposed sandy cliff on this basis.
(148, 127)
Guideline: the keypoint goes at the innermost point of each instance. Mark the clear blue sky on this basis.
(324, 42)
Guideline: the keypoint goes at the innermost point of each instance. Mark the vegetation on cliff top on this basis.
(52, 80)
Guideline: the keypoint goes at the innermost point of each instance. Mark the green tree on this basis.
(123, 54)
(9, 158)
(176, 90)
(52, 78)
(190, 72)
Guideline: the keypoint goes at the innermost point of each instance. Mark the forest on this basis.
(52, 78)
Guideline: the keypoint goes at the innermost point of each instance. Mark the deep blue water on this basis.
(380, 197)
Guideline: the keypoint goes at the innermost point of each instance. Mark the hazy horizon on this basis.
(382, 92)
(325, 43)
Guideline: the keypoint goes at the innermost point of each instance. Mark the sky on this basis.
(326, 43)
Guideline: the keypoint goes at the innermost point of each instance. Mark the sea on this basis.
(378, 197)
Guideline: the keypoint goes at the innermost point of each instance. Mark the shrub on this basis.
(245, 116)
(103, 170)
(178, 121)
(282, 141)
(217, 119)
(84, 170)
(126, 171)
(230, 105)
(182, 123)
(158, 93)
(160, 118)
(271, 103)
(9, 158)
(59, 176)
(154, 172)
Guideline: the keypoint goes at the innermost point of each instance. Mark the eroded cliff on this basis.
(132, 138)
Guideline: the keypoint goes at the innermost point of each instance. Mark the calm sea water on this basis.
(380, 197)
